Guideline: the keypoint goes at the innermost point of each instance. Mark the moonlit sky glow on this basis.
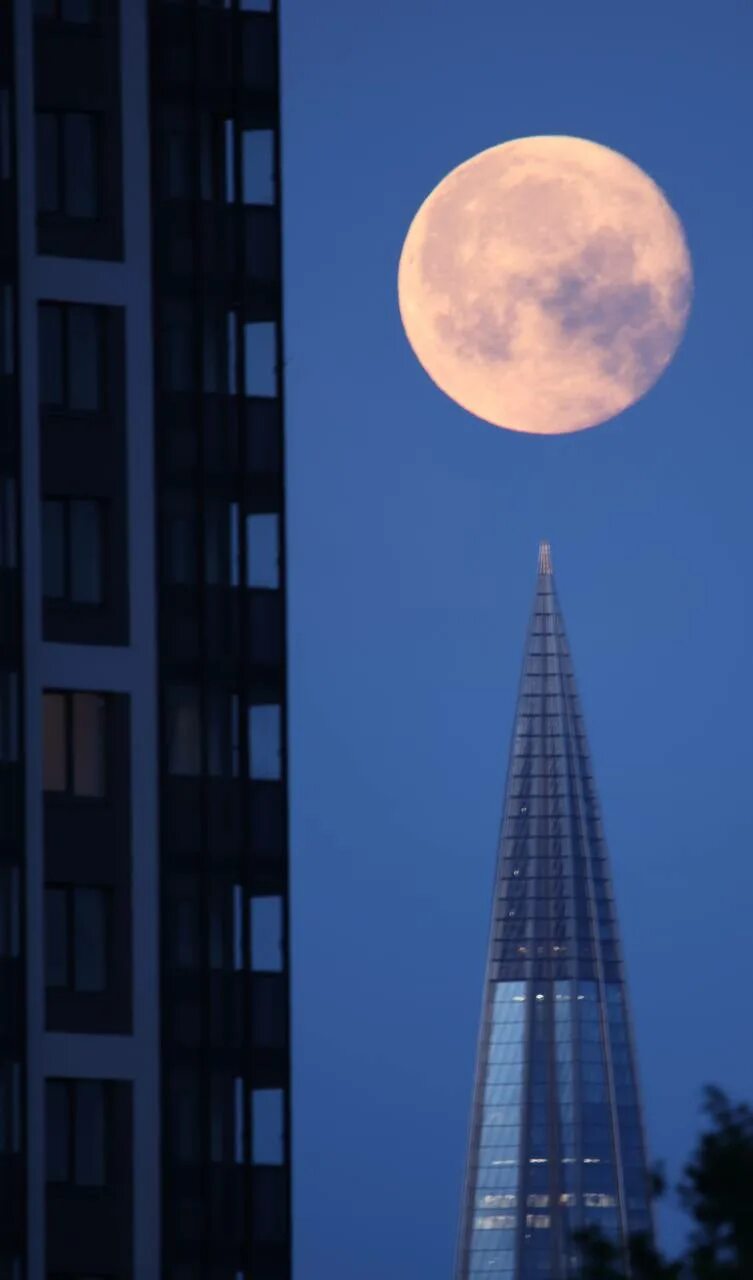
(412, 537)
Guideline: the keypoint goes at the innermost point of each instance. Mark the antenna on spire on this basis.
(545, 558)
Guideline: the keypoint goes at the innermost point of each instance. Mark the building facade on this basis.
(144, 1025)
(556, 1141)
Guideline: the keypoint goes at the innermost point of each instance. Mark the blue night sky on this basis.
(413, 531)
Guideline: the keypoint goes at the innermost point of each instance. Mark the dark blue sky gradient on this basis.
(413, 530)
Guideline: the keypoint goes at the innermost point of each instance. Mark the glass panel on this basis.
(6, 329)
(89, 1170)
(54, 742)
(266, 923)
(258, 163)
(48, 162)
(184, 1107)
(9, 912)
(180, 548)
(8, 557)
(262, 551)
(230, 161)
(175, 153)
(177, 347)
(5, 135)
(261, 359)
(81, 177)
(267, 1126)
(89, 940)
(53, 549)
(183, 731)
(86, 552)
(51, 378)
(88, 744)
(77, 10)
(84, 358)
(56, 938)
(57, 1131)
(264, 727)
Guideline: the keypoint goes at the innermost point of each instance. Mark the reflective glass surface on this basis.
(556, 1137)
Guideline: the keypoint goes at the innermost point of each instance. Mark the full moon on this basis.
(545, 284)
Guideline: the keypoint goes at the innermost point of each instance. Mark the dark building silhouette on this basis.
(556, 1138)
(144, 1061)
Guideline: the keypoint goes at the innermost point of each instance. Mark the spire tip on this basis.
(545, 558)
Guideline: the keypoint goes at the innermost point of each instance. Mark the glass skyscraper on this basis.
(556, 1141)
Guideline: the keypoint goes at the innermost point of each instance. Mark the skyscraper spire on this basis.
(556, 1139)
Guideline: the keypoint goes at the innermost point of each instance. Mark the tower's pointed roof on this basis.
(556, 1139)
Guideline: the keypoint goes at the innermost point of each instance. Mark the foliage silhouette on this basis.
(716, 1192)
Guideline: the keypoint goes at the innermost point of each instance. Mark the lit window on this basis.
(74, 743)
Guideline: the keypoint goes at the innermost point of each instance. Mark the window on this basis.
(68, 164)
(7, 360)
(72, 530)
(261, 359)
(8, 717)
(267, 1126)
(175, 154)
(183, 731)
(74, 11)
(9, 912)
(265, 742)
(10, 1107)
(259, 185)
(74, 743)
(71, 357)
(266, 934)
(262, 551)
(223, 734)
(76, 926)
(177, 346)
(180, 543)
(8, 557)
(75, 1132)
(5, 136)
